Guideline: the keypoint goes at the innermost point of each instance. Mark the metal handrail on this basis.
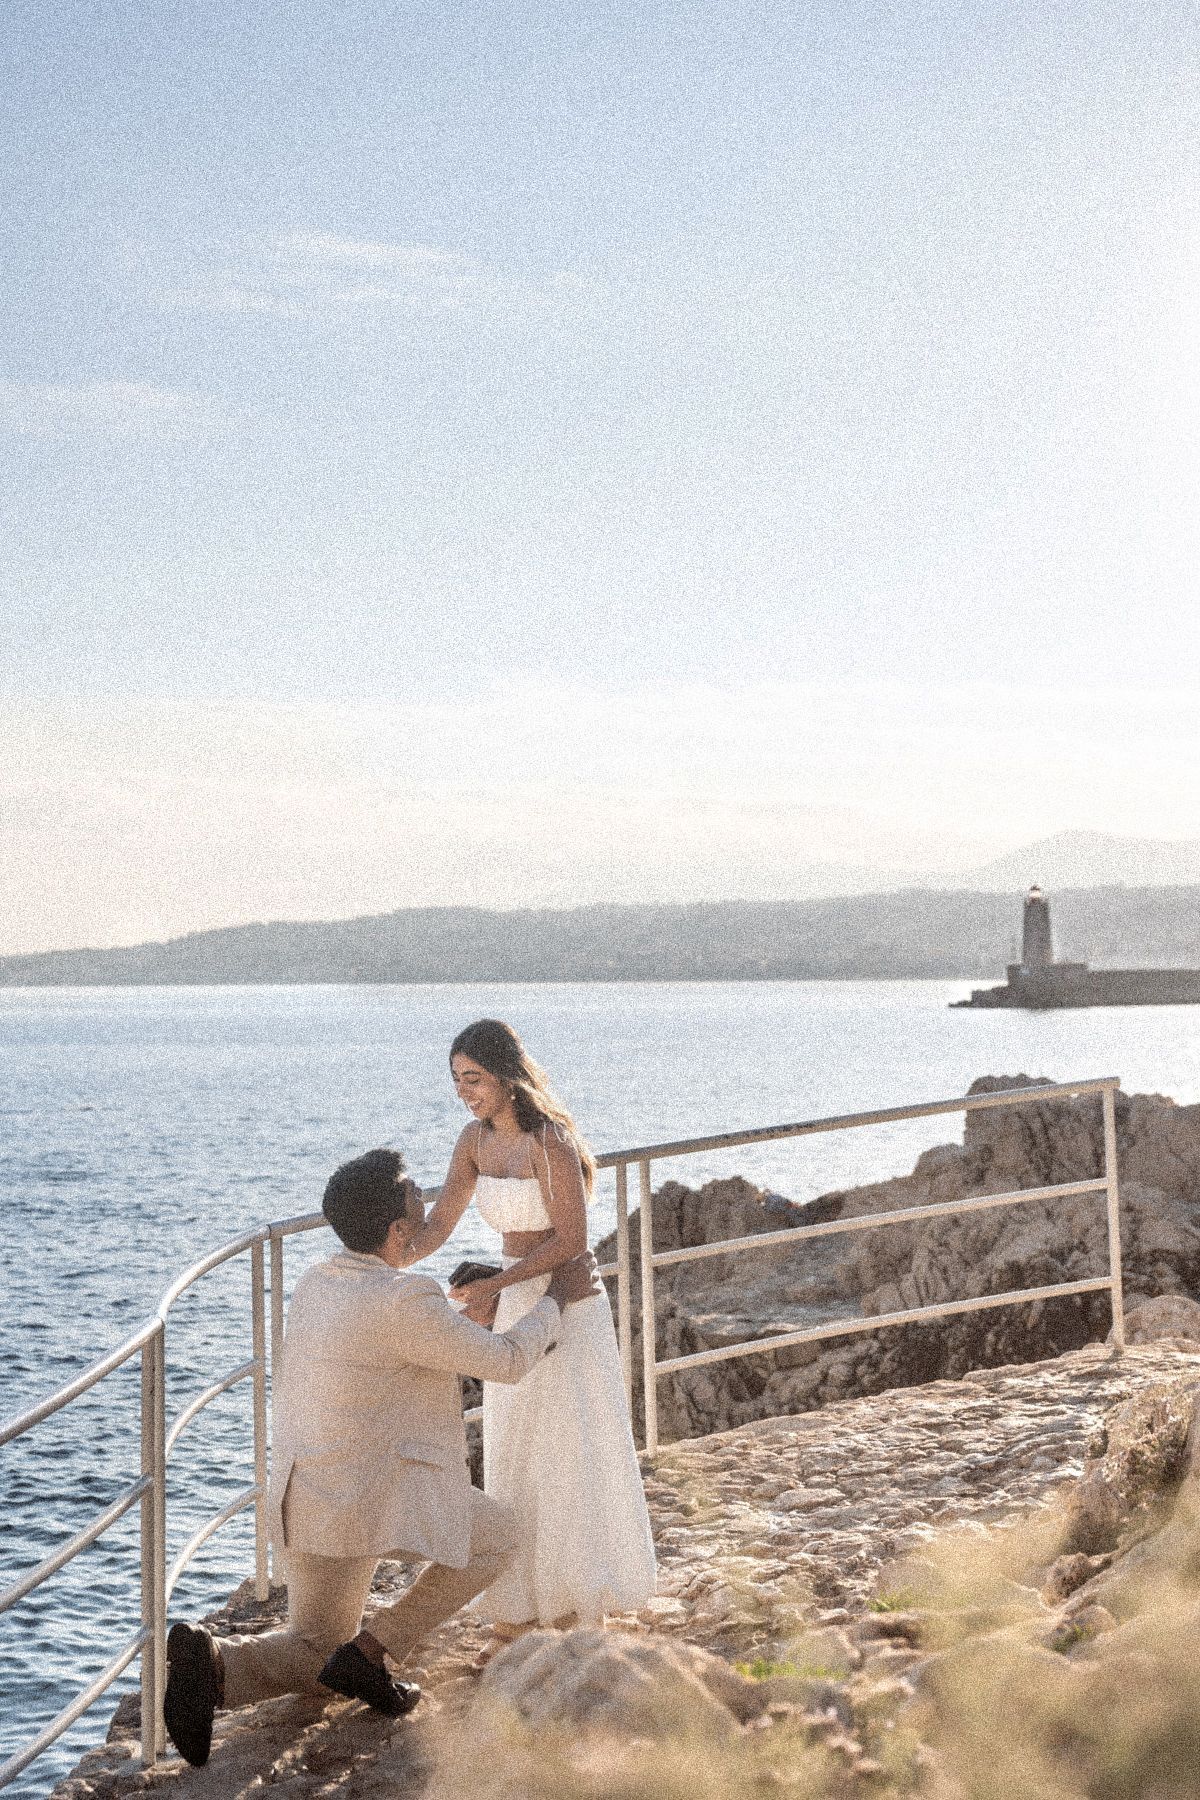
(906, 1215)
(281, 1228)
(1105, 1086)
(208, 1263)
(82, 1539)
(72, 1389)
(149, 1340)
(150, 1489)
(249, 1497)
(925, 1109)
(876, 1322)
(64, 1720)
(184, 1419)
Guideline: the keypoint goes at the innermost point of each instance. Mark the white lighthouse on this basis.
(1037, 948)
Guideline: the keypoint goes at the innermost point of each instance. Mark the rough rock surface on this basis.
(611, 1681)
(727, 1299)
(775, 1542)
(1166, 1316)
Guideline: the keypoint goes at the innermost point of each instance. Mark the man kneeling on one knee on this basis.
(369, 1460)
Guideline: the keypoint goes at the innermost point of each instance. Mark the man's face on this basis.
(414, 1205)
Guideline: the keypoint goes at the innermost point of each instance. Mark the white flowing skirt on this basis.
(558, 1451)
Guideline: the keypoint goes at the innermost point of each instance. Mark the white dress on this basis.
(558, 1450)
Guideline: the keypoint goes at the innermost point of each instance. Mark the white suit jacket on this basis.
(369, 1443)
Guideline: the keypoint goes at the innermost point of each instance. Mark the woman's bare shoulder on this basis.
(466, 1145)
(558, 1146)
(561, 1135)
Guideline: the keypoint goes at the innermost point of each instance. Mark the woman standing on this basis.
(557, 1447)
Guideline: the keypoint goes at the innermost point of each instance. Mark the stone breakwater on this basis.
(800, 1550)
(730, 1298)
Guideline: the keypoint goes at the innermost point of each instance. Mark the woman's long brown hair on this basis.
(496, 1047)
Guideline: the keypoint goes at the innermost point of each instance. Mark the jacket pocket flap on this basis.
(414, 1450)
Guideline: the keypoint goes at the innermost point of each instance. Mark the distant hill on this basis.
(913, 933)
(1088, 859)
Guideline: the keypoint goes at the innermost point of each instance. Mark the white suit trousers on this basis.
(326, 1596)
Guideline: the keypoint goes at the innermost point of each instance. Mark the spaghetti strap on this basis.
(549, 1174)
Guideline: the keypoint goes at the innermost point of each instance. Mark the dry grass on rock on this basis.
(880, 1601)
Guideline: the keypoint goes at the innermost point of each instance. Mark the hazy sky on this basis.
(514, 452)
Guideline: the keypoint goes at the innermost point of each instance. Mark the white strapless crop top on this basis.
(511, 1203)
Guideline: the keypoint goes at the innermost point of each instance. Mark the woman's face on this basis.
(486, 1095)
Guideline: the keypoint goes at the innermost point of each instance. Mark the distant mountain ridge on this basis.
(915, 933)
(1088, 859)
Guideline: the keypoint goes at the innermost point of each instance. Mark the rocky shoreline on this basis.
(727, 1299)
(792, 1550)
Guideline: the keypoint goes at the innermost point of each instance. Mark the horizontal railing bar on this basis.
(281, 1228)
(258, 1235)
(88, 1535)
(763, 1240)
(201, 1401)
(765, 1134)
(781, 1341)
(238, 1504)
(81, 1383)
(67, 1717)
(476, 1412)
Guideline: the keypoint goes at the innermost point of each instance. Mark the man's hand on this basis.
(479, 1296)
(480, 1302)
(574, 1280)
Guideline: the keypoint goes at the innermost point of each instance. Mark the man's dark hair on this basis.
(364, 1196)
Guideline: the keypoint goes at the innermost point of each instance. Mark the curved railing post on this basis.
(158, 1495)
(149, 1682)
(276, 1338)
(649, 1344)
(262, 1583)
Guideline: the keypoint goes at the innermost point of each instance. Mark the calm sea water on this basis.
(140, 1128)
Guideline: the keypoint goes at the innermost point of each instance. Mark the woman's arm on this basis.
(452, 1202)
(560, 1176)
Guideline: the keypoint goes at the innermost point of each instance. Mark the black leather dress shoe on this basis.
(193, 1691)
(351, 1673)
